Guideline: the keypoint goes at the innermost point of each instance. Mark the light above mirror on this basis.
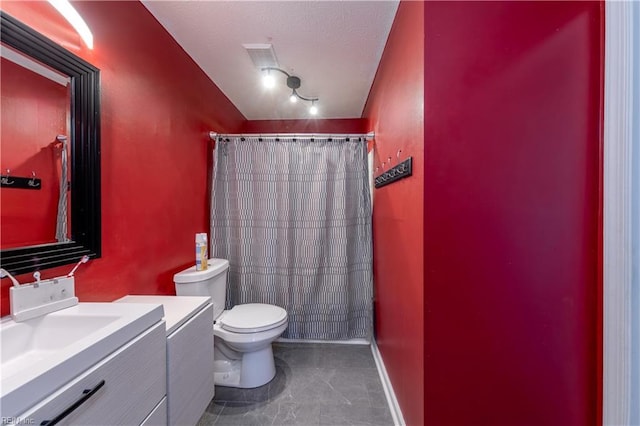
(73, 17)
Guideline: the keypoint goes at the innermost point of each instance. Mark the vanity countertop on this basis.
(41, 354)
(177, 309)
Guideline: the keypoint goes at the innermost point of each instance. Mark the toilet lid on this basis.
(252, 317)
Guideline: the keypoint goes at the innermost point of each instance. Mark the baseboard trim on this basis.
(394, 407)
(334, 342)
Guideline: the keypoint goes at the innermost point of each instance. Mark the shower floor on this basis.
(315, 384)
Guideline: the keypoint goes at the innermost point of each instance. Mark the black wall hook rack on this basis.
(18, 182)
(395, 173)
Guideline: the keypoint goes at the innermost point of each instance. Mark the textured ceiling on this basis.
(333, 46)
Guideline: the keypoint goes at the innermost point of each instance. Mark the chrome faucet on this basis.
(5, 274)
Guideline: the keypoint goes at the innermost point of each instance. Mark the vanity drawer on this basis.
(125, 387)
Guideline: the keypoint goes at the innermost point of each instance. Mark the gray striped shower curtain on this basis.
(293, 217)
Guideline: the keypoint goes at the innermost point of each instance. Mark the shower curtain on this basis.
(62, 236)
(293, 217)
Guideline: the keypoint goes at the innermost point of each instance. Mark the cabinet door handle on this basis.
(86, 394)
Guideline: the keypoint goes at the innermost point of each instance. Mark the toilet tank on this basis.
(211, 282)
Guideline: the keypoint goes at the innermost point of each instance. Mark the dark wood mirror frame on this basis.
(84, 136)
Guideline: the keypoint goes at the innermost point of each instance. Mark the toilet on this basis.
(242, 352)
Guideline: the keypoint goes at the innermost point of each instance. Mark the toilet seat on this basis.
(252, 318)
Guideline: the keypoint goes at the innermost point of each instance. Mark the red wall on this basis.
(394, 111)
(350, 125)
(34, 111)
(157, 110)
(486, 298)
(512, 135)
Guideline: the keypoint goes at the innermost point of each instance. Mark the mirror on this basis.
(34, 120)
(83, 138)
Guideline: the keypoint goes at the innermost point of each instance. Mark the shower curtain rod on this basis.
(366, 136)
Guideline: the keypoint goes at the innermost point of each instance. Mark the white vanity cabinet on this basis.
(189, 330)
(125, 388)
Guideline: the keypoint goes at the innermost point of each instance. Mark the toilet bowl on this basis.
(243, 357)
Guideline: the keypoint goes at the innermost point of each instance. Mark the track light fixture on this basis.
(293, 83)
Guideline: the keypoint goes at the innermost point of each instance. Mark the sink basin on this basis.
(40, 355)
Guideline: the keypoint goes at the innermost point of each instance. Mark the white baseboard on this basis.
(334, 342)
(394, 407)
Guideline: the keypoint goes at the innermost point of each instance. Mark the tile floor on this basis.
(315, 384)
